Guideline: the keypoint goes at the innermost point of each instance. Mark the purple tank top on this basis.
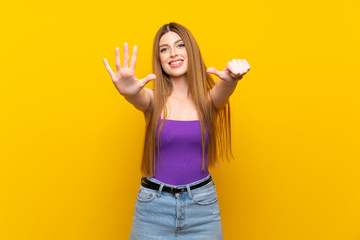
(180, 152)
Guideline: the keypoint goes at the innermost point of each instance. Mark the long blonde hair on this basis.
(217, 123)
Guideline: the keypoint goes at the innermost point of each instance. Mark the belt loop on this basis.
(189, 191)
(160, 190)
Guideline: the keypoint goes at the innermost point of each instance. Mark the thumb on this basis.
(147, 79)
(213, 71)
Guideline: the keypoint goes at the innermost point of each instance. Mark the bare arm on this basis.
(227, 82)
(141, 100)
(221, 92)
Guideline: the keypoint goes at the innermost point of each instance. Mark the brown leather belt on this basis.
(155, 186)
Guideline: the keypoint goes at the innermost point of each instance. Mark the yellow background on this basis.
(71, 145)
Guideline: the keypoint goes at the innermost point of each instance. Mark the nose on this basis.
(173, 52)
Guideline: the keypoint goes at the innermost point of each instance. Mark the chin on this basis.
(176, 73)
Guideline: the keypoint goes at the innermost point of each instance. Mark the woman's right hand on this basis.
(124, 79)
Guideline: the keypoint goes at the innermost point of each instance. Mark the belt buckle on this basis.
(182, 190)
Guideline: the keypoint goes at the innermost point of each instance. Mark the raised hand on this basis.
(124, 79)
(234, 70)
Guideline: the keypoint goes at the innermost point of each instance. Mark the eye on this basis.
(181, 45)
(163, 49)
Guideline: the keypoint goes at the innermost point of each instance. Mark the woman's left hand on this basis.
(234, 70)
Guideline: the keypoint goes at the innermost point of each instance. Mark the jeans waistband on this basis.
(180, 186)
(159, 186)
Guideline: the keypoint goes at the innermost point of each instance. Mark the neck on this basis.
(180, 87)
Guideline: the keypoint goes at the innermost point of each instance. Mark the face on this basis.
(173, 55)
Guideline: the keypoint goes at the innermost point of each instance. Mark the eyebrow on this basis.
(168, 45)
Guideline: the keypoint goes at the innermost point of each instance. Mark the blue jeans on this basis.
(192, 215)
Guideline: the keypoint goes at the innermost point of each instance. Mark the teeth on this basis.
(175, 62)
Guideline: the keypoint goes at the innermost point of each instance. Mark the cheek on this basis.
(185, 53)
(162, 61)
(163, 66)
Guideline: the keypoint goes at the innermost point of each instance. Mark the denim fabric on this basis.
(192, 215)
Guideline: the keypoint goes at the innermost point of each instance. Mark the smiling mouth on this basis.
(176, 62)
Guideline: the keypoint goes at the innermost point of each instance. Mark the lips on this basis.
(175, 61)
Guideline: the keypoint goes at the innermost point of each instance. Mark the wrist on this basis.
(230, 82)
(132, 95)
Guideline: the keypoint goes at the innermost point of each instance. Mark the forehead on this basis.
(169, 38)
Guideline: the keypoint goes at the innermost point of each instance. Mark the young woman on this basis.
(187, 119)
